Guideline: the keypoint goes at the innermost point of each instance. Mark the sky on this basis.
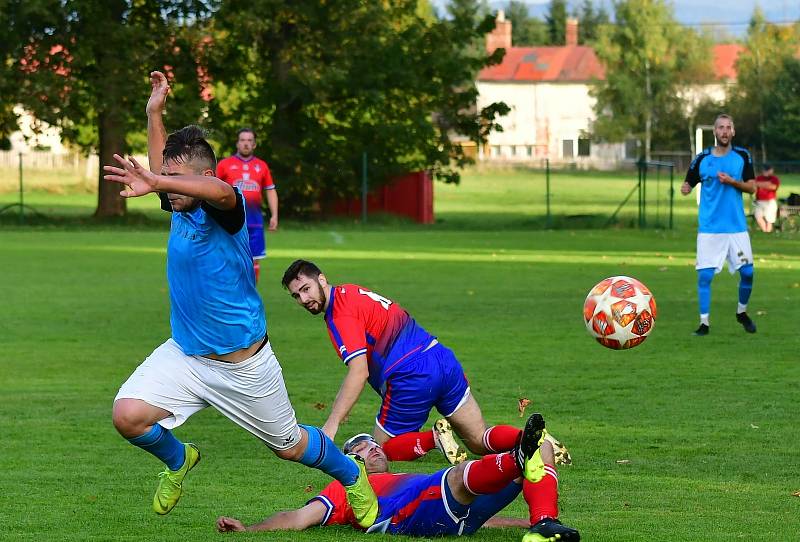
(732, 18)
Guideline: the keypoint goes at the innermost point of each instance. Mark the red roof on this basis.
(578, 63)
(725, 56)
(569, 63)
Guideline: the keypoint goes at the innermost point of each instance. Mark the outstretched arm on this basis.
(310, 515)
(350, 390)
(156, 134)
(140, 181)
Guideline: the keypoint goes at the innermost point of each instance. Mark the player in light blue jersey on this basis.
(219, 354)
(725, 171)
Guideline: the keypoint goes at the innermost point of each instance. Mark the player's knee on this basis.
(295, 453)
(127, 421)
(547, 452)
(705, 276)
(746, 272)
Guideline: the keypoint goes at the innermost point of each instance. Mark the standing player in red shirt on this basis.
(766, 206)
(252, 176)
(453, 501)
(412, 372)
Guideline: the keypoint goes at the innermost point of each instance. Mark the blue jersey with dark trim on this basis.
(721, 207)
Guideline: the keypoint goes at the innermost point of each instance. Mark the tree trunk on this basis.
(112, 140)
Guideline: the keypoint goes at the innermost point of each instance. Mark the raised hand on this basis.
(158, 95)
(138, 181)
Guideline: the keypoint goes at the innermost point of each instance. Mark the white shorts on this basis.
(250, 393)
(714, 248)
(766, 209)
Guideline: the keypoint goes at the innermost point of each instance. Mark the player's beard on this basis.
(317, 303)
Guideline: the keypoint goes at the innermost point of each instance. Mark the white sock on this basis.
(704, 319)
(741, 308)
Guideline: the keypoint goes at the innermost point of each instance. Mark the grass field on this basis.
(680, 439)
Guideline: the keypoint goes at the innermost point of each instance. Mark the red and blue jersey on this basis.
(251, 176)
(409, 504)
(362, 322)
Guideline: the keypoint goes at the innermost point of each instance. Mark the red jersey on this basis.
(409, 504)
(252, 177)
(362, 322)
(763, 193)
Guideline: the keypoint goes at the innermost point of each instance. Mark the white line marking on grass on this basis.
(337, 237)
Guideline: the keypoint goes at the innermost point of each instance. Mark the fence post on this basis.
(671, 193)
(21, 192)
(364, 187)
(548, 220)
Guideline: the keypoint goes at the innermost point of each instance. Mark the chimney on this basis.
(500, 37)
(572, 31)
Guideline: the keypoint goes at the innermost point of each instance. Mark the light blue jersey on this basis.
(215, 308)
(721, 208)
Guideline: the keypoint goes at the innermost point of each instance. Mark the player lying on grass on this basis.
(412, 372)
(219, 353)
(453, 501)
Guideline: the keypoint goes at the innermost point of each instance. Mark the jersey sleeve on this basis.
(748, 172)
(334, 498)
(348, 336)
(231, 220)
(267, 183)
(693, 175)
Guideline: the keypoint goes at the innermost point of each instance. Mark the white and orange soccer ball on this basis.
(619, 312)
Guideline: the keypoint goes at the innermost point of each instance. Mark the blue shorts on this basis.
(258, 245)
(434, 378)
(425, 506)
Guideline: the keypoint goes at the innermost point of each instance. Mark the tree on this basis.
(782, 113)
(649, 58)
(769, 49)
(590, 20)
(557, 22)
(526, 29)
(82, 65)
(324, 83)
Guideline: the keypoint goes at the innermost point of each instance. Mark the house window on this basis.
(513, 150)
(529, 150)
(496, 150)
(584, 147)
(568, 151)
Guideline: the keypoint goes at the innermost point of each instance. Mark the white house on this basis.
(547, 89)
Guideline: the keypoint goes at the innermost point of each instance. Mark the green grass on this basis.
(708, 427)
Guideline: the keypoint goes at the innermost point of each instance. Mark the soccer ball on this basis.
(619, 312)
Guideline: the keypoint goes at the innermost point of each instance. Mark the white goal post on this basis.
(698, 147)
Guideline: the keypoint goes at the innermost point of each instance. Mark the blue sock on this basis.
(162, 443)
(704, 277)
(321, 453)
(745, 283)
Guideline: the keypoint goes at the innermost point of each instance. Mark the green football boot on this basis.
(170, 487)
(529, 457)
(551, 530)
(361, 496)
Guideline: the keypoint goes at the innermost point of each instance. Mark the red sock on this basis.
(542, 497)
(409, 446)
(257, 267)
(490, 474)
(501, 438)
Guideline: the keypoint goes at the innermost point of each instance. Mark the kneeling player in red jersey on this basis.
(412, 372)
(453, 501)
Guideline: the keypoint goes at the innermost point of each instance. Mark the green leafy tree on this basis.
(769, 49)
(525, 28)
(782, 113)
(649, 59)
(82, 65)
(557, 22)
(324, 83)
(590, 20)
